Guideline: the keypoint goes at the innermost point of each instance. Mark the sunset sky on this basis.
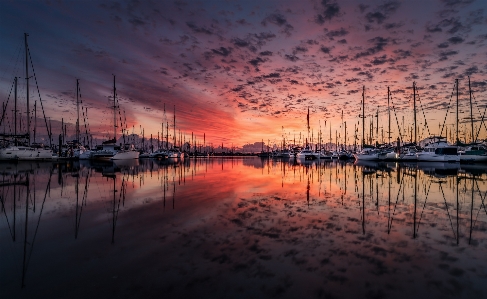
(242, 71)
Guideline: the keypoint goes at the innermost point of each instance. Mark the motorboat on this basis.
(367, 154)
(474, 153)
(439, 151)
(306, 154)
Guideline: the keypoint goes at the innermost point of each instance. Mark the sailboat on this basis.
(109, 149)
(473, 152)
(440, 150)
(175, 152)
(368, 153)
(18, 150)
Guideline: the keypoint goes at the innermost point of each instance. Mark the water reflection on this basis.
(310, 217)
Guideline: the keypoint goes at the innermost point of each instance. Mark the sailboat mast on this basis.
(174, 126)
(471, 112)
(389, 116)
(363, 116)
(414, 111)
(457, 109)
(27, 85)
(35, 120)
(77, 110)
(114, 111)
(15, 107)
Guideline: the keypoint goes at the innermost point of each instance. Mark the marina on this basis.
(243, 149)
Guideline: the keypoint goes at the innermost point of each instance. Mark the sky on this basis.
(245, 71)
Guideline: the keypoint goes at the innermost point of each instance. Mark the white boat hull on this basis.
(408, 157)
(25, 153)
(366, 157)
(126, 155)
(437, 158)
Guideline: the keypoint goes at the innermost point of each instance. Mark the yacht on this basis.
(14, 152)
(408, 154)
(174, 153)
(325, 155)
(159, 154)
(128, 152)
(439, 151)
(287, 154)
(474, 153)
(367, 154)
(388, 155)
(306, 154)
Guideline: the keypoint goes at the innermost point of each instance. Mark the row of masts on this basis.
(115, 107)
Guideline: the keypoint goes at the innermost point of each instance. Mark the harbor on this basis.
(243, 149)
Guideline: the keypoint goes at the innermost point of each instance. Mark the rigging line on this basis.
(4, 108)
(13, 70)
(6, 217)
(482, 119)
(389, 225)
(39, 219)
(49, 133)
(425, 199)
(448, 212)
(424, 115)
(446, 115)
(482, 198)
(397, 121)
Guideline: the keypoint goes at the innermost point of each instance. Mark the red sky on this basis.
(242, 71)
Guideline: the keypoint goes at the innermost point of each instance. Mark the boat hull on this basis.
(437, 158)
(25, 154)
(126, 155)
(473, 158)
(367, 157)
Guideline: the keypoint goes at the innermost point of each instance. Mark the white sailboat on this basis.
(14, 151)
(439, 151)
(109, 149)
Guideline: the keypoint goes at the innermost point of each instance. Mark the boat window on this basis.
(446, 151)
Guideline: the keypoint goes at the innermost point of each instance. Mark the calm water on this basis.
(242, 228)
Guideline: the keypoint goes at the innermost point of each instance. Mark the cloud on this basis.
(379, 44)
(337, 33)
(382, 12)
(456, 40)
(198, 29)
(256, 61)
(292, 58)
(446, 54)
(380, 60)
(389, 26)
(325, 50)
(222, 51)
(300, 49)
(471, 70)
(455, 3)
(240, 42)
(328, 11)
(363, 7)
(266, 53)
(279, 20)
